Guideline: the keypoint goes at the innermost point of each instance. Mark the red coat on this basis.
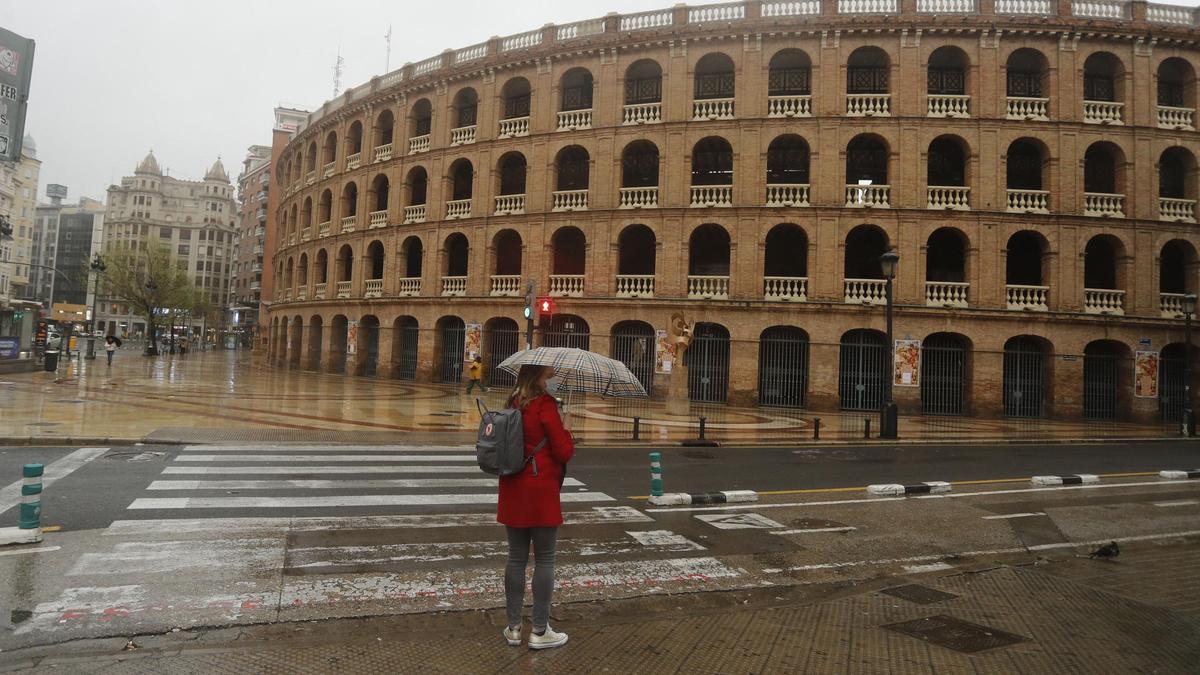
(527, 500)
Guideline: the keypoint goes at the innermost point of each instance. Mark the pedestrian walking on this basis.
(475, 372)
(530, 509)
(110, 346)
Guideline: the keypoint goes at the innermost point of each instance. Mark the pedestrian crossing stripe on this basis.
(325, 458)
(738, 521)
(251, 449)
(409, 483)
(322, 469)
(342, 501)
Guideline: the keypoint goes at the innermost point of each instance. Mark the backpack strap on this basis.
(481, 406)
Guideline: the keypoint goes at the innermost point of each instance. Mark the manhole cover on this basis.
(922, 595)
(956, 634)
(697, 454)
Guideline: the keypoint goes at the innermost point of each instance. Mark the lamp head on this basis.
(888, 262)
(1189, 304)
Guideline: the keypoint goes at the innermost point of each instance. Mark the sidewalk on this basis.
(222, 396)
(1063, 614)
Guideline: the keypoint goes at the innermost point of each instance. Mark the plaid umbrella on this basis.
(585, 371)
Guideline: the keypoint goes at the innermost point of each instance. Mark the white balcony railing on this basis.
(1028, 298)
(310, 178)
(343, 289)
(869, 195)
(462, 136)
(708, 287)
(865, 291)
(1176, 14)
(712, 109)
(383, 152)
(570, 120)
(789, 106)
(795, 194)
(454, 286)
(635, 285)
(1103, 301)
(1182, 119)
(947, 105)
(867, 6)
(946, 6)
(291, 239)
(868, 105)
(642, 113)
(1028, 108)
(639, 198)
(306, 233)
(373, 288)
(328, 170)
(949, 197)
(1171, 305)
(1029, 201)
(946, 293)
(516, 126)
(566, 285)
(1102, 112)
(409, 287)
(506, 285)
(348, 223)
(319, 291)
(353, 161)
(772, 8)
(712, 195)
(1030, 7)
(725, 11)
(510, 204)
(458, 208)
(1102, 204)
(418, 144)
(788, 289)
(1179, 210)
(323, 229)
(1101, 9)
(377, 219)
(570, 200)
(414, 214)
(302, 293)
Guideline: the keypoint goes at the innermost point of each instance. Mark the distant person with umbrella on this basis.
(111, 343)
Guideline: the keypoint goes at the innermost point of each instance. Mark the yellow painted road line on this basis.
(52, 528)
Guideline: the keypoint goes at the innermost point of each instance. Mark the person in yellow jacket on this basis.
(475, 372)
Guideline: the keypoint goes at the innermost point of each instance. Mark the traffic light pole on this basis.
(529, 299)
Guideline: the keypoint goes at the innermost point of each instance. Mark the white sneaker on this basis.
(547, 640)
(512, 636)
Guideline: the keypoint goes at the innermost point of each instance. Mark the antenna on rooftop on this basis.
(387, 60)
(337, 72)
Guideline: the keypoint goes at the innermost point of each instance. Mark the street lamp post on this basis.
(888, 415)
(98, 268)
(152, 341)
(1189, 417)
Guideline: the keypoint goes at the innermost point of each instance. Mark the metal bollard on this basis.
(656, 479)
(31, 497)
(703, 419)
(816, 428)
(637, 428)
(866, 427)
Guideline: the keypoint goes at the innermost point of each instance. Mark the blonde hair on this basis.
(528, 385)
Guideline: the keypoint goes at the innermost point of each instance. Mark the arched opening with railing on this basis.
(864, 364)
(782, 366)
(785, 263)
(1027, 376)
(708, 262)
(945, 374)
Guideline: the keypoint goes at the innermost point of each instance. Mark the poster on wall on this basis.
(1145, 374)
(664, 352)
(472, 342)
(352, 337)
(907, 363)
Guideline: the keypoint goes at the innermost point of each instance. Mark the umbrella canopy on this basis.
(584, 371)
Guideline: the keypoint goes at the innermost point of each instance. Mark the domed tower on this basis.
(149, 165)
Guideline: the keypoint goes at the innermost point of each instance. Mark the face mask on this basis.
(553, 385)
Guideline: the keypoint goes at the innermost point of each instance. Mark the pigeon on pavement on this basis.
(1109, 550)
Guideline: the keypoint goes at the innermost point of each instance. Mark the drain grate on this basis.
(956, 634)
(922, 595)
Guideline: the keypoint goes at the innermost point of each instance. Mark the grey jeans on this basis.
(543, 540)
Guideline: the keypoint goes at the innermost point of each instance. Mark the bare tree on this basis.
(145, 277)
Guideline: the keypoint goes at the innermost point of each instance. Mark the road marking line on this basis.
(1014, 515)
(931, 567)
(43, 549)
(656, 538)
(10, 495)
(406, 483)
(234, 502)
(247, 449)
(327, 458)
(306, 470)
(815, 530)
(1181, 502)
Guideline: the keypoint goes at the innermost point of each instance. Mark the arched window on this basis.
(461, 179)
(643, 83)
(379, 194)
(1103, 175)
(422, 119)
(867, 71)
(507, 245)
(1176, 275)
(946, 256)
(414, 254)
(325, 206)
(708, 251)
(516, 96)
(867, 160)
(1176, 89)
(786, 256)
(385, 125)
(714, 77)
(947, 162)
(787, 161)
(512, 174)
(572, 168)
(457, 255)
(570, 251)
(330, 149)
(712, 162)
(465, 108)
(1025, 258)
(1025, 73)
(354, 139)
(375, 260)
(947, 72)
(418, 185)
(636, 255)
(1102, 74)
(790, 74)
(865, 244)
(349, 200)
(345, 263)
(639, 165)
(321, 267)
(576, 90)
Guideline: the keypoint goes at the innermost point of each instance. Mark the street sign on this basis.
(739, 521)
(9, 347)
(16, 70)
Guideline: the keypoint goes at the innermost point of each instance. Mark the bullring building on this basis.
(1032, 162)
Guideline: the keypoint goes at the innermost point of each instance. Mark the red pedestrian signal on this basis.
(545, 306)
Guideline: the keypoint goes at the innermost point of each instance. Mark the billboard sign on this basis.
(16, 70)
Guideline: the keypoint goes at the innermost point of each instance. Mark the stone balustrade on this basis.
(1178, 210)
(327, 171)
(458, 208)
(377, 219)
(635, 285)
(567, 285)
(949, 197)
(1101, 9)
(774, 8)
(513, 127)
(310, 178)
(794, 194)
(948, 105)
(319, 291)
(570, 200)
(373, 288)
(414, 214)
(712, 109)
(285, 294)
(787, 289)
(789, 106)
(353, 161)
(1103, 204)
(1102, 112)
(1182, 119)
(1028, 201)
(348, 224)
(708, 287)
(291, 239)
(869, 195)
(868, 6)
(1103, 301)
(1024, 7)
(343, 289)
(946, 6)
(410, 287)
(726, 11)
(868, 105)
(306, 233)
(642, 113)
(507, 205)
(418, 144)
(712, 195)
(506, 285)
(946, 293)
(323, 229)
(639, 198)
(570, 120)
(383, 152)
(1170, 305)
(462, 136)
(864, 291)
(1027, 298)
(302, 294)
(1028, 108)
(454, 286)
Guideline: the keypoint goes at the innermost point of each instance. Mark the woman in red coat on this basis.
(530, 509)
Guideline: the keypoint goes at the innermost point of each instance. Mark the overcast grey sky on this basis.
(194, 80)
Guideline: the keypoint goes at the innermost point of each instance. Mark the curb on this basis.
(688, 498)
(1193, 473)
(892, 489)
(1076, 479)
(822, 443)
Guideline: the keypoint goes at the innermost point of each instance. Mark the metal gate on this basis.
(782, 367)
(453, 344)
(502, 343)
(635, 347)
(409, 333)
(862, 368)
(1100, 385)
(1023, 362)
(315, 335)
(1170, 385)
(567, 330)
(371, 364)
(707, 360)
(943, 375)
(338, 357)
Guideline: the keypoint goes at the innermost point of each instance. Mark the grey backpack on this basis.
(500, 443)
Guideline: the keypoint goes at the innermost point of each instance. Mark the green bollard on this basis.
(31, 497)
(656, 479)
